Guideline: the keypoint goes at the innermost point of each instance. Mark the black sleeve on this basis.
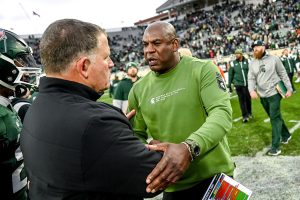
(115, 160)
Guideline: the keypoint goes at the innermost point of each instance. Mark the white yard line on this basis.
(237, 119)
(294, 128)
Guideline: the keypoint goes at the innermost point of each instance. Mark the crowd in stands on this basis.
(216, 32)
(228, 27)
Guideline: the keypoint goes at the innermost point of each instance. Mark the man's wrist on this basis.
(189, 149)
(194, 148)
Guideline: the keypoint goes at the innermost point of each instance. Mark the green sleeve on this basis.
(230, 75)
(217, 105)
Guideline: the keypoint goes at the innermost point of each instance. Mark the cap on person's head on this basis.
(238, 51)
(131, 64)
(258, 43)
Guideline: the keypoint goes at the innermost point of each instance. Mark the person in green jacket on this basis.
(297, 60)
(113, 85)
(237, 75)
(14, 55)
(289, 64)
(184, 106)
(120, 97)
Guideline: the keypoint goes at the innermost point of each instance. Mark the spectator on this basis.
(264, 73)
(238, 73)
(289, 65)
(121, 94)
(75, 147)
(113, 85)
(298, 68)
(184, 106)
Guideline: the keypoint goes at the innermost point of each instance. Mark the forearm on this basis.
(217, 125)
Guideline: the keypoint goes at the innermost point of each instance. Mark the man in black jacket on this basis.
(75, 147)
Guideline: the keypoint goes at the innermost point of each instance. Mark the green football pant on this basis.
(279, 129)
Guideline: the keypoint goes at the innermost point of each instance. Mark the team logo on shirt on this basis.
(165, 96)
(220, 81)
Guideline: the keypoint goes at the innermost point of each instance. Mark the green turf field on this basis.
(249, 138)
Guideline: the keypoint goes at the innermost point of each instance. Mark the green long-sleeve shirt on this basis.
(190, 101)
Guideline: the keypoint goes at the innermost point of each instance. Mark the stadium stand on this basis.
(211, 29)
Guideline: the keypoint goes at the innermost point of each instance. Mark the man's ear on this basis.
(82, 66)
(175, 44)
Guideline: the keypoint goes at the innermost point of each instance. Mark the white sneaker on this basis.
(297, 81)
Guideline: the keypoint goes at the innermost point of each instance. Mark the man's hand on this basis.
(130, 114)
(288, 94)
(170, 168)
(253, 95)
(154, 142)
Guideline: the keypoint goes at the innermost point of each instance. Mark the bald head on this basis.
(161, 46)
(167, 29)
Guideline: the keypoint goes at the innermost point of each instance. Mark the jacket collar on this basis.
(49, 85)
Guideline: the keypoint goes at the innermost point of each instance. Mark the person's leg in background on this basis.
(242, 101)
(248, 101)
(290, 75)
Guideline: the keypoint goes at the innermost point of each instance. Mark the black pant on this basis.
(194, 193)
(244, 99)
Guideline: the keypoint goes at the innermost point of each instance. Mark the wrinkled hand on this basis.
(288, 94)
(171, 167)
(130, 114)
(253, 95)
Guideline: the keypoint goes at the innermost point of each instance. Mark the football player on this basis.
(15, 56)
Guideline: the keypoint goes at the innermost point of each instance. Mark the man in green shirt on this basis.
(184, 106)
(238, 76)
(120, 97)
(113, 85)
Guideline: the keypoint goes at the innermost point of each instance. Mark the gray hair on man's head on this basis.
(64, 40)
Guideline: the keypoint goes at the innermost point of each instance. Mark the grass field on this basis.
(252, 137)
(249, 138)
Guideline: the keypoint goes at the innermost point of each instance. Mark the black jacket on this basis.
(77, 148)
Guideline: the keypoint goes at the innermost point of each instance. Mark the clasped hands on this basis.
(170, 168)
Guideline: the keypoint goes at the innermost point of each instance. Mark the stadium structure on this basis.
(212, 29)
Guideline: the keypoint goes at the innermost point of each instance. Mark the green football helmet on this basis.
(16, 60)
